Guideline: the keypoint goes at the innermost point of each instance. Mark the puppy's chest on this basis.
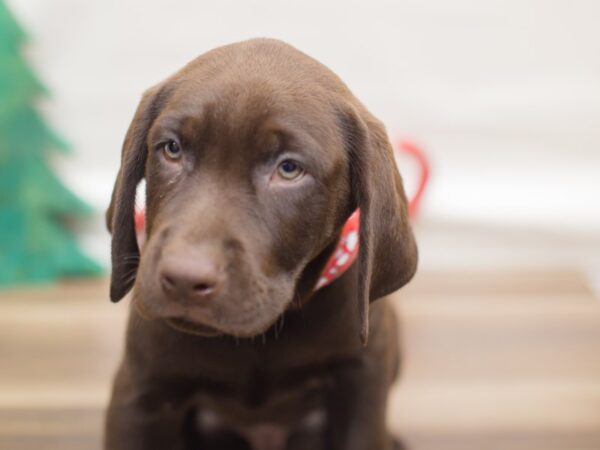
(266, 435)
(257, 395)
(265, 409)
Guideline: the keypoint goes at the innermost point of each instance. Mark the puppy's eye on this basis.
(289, 170)
(172, 151)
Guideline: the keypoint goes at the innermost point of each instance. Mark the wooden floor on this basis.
(493, 361)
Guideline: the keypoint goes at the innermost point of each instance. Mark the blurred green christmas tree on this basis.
(35, 244)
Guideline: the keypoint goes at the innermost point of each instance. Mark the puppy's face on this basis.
(245, 186)
(254, 156)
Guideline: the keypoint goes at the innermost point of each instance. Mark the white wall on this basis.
(504, 94)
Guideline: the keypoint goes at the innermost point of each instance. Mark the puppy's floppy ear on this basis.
(120, 213)
(387, 256)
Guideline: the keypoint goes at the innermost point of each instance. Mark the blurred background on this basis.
(502, 324)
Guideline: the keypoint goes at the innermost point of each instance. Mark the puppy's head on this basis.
(254, 156)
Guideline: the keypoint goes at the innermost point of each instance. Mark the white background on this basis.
(503, 94)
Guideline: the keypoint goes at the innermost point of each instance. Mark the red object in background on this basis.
(418, 154)
(140, 221)
(140, 225)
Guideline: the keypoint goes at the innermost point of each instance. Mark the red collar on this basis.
(344, 254)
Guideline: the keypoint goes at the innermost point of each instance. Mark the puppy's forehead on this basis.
(229, 111)
(238, 93)
(218, 104)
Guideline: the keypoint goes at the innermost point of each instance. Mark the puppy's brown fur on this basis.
(264, 352)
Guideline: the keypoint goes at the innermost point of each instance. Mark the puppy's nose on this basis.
(189, 276)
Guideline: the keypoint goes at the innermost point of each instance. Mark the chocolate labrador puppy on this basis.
(255, 155)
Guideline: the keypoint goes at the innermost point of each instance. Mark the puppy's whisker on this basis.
(129, 276)
(296, 301)
(278, 328)
(131, 258)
